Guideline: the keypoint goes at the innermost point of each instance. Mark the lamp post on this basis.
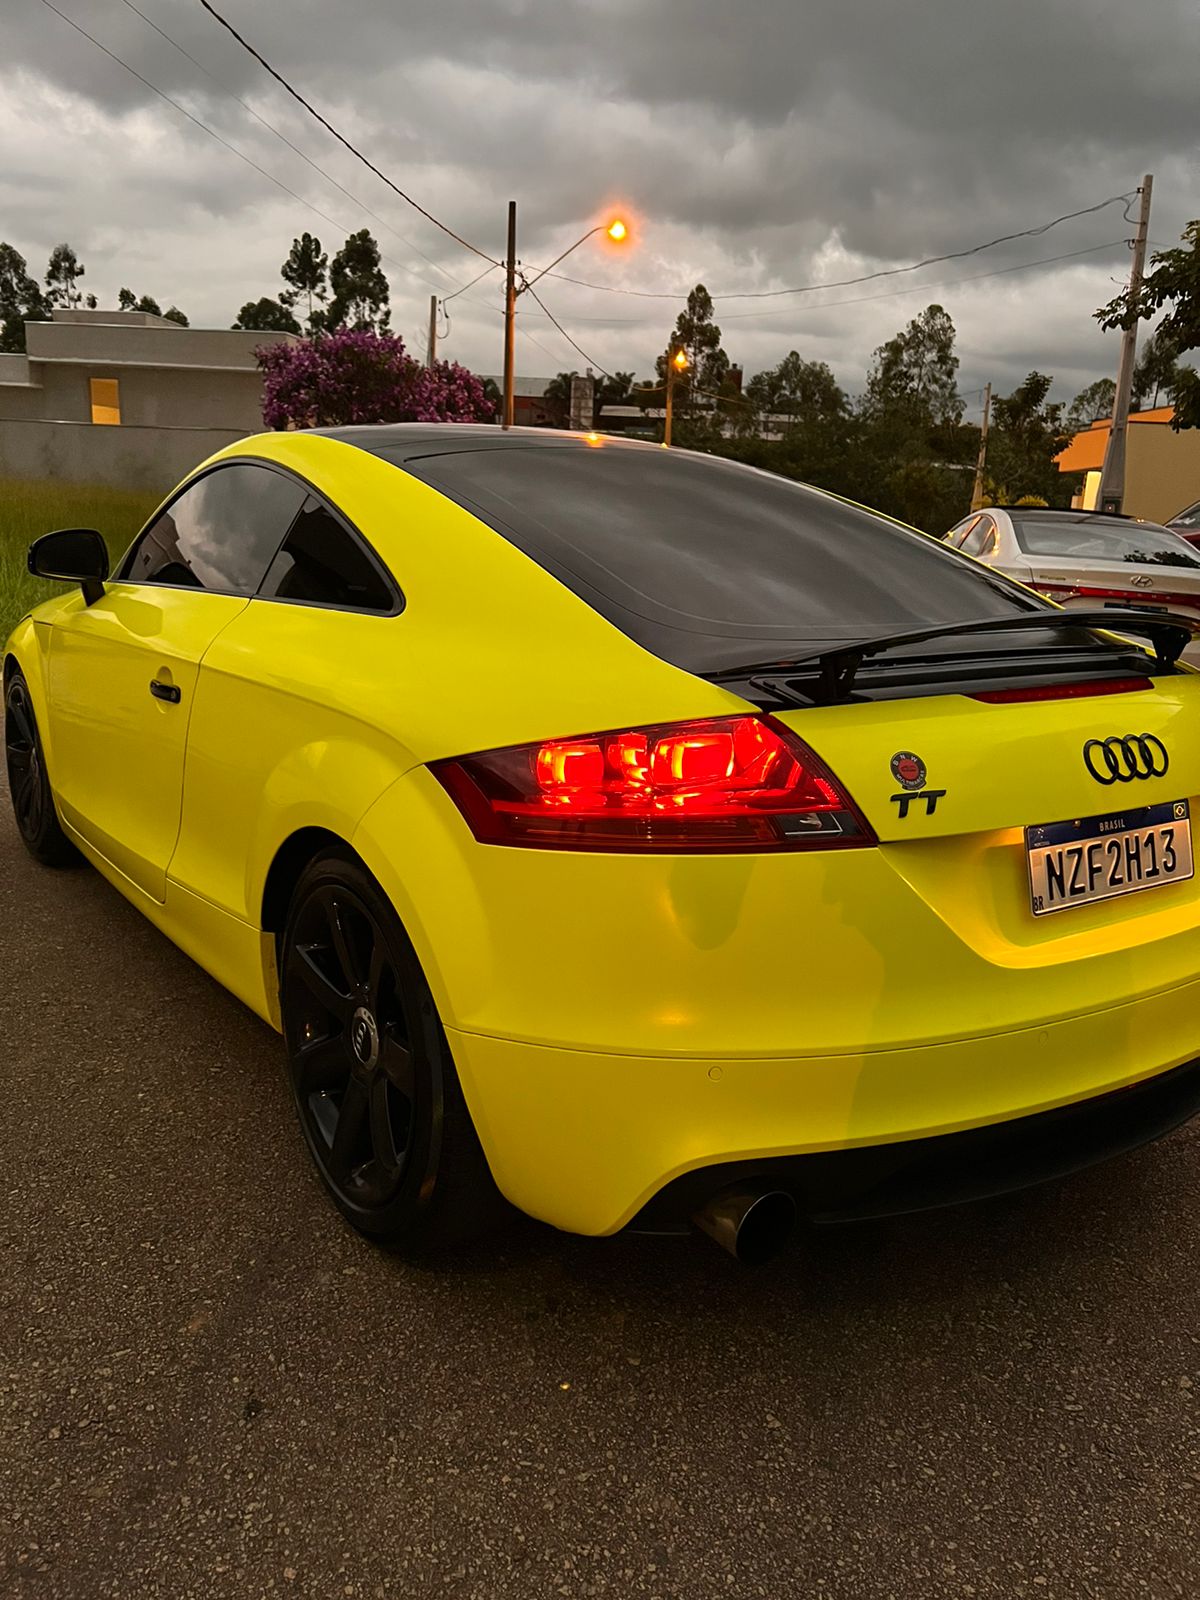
(616, 230)
(677, 361)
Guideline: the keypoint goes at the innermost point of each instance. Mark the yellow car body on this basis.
(617, 1020)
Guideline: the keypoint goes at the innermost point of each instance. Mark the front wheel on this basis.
(375, 1086)
(28, 783)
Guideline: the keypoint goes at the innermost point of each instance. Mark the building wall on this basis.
(153, 459)
(150, 396)
(1162, 471)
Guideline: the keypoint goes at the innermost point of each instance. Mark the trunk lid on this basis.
(999, 766)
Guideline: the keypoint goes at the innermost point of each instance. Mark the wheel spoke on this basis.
(342, 939)
(18, 710)
(348, 1139)
(20, 758)
(321, 1066)
(396, 1064)
(383, 1135)
(324, 991)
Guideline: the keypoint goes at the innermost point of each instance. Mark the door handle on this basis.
(165, 691)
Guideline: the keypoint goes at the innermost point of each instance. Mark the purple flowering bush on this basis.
(348, 376)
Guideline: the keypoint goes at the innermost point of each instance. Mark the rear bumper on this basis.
(922, 1174)
(587, 1141)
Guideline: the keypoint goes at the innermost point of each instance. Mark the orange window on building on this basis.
(106, 400)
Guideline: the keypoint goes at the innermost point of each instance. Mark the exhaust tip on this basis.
(752, 1224)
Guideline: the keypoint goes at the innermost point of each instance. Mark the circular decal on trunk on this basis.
(908, 769)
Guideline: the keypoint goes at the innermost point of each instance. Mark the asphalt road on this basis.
(210, 1387)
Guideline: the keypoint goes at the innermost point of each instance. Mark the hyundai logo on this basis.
(1141, 581)
(1122, 758)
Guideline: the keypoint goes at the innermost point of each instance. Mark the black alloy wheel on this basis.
(372, 1076)
(28, 783)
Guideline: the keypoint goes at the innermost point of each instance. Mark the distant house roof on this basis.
(1085, 453)
(525, 388)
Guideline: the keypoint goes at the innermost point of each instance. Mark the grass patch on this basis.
(29, 509)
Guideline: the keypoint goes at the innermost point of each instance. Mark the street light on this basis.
(677, 361)
(617, 230)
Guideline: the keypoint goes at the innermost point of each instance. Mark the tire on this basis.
(374, 1083)
(28, 783)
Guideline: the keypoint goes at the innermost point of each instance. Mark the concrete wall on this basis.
(153, 459)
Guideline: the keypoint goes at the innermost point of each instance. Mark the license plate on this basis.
(1097, 858)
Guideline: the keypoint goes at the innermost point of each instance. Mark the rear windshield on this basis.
(711, 564)
(1094, 539)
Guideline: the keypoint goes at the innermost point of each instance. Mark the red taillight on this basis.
(724, 783)
(1062, 691)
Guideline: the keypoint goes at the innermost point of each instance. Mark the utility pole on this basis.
(431, 346)
(1111, 493)
(977, 494)
(510, 311)
(677, 361)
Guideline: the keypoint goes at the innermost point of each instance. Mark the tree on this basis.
(353, 376)
(305, 272)
(1174, 282)
(150, 304)
(916, 372)
(797, 389)
(127, 300)
(173, 314)
(1090, 404)
(557, 398)
(1027, 434)
(266, 314)
(614, 391)
(700, 336)
(21, 300)
(62, 274)
(360, 290)
(1156, 372)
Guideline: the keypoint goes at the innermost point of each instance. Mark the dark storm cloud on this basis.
(760, 144)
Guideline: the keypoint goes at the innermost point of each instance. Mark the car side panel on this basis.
(286, 733)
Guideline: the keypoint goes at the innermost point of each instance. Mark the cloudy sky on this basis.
(754, 146)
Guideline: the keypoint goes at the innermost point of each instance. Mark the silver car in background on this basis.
(1086, 559)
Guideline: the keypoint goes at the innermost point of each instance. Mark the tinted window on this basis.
(220, 533)
(1189, 518)
(960, 531)
(322, 562)
(709, 563)
(1103, 539)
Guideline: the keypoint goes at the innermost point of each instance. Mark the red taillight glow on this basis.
(1063, 691)
(724, 783)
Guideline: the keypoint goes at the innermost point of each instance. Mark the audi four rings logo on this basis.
(1123, 758)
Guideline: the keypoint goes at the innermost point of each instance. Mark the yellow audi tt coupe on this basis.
(628, 836)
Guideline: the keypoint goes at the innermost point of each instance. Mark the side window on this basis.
(974, 543)
(322, 562)
(220, 533)
(959, 533)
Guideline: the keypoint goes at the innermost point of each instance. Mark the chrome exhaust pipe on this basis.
(753, 1224)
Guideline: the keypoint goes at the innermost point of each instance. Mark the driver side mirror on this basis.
(72, 555)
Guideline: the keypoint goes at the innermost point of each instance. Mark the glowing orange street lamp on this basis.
(677, 361)
(617, 230)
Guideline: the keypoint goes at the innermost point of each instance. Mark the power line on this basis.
(213, 134)
(926, 288)
(341, 138)
(270, 127)
(866, 277)
(591, 360)
(887, 294)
